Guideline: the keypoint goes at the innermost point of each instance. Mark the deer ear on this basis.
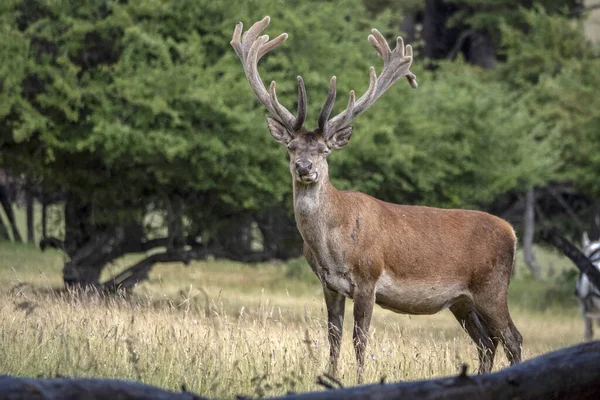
(340, 138)
(278, 131)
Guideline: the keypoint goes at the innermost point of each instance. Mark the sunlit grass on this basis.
(223, 329)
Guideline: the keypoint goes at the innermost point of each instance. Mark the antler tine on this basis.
(237, 39)
(280, 111)
(272, 45)
(348, 115)
(381, 45)
(250, 48)
(328, 106)
(412, 78)
(396, 64)
(301, 114)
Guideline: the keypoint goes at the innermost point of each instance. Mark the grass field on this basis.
(224, 329)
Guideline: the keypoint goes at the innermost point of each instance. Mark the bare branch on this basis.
(554, 193)
(553, 236)
(52, 242)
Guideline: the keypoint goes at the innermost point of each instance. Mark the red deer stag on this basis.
(410, 259)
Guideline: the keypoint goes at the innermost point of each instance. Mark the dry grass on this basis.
(224, 329)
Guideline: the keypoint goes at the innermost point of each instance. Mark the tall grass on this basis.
(225, 329)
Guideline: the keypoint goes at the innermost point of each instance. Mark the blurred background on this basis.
(129, 127)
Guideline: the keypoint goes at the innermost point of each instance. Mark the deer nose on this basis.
(303, 167)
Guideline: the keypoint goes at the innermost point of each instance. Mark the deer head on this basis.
(308, 150)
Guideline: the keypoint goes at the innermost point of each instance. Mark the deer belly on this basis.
(412, 297)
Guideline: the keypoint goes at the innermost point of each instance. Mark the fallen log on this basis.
(17, 388)
(570, 373)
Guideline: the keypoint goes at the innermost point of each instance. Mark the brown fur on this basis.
(410, 259)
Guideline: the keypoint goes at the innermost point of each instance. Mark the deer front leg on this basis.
(335, 303)
(364, 301)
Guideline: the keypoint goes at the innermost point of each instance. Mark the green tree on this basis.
(555, 70)
(138, 114)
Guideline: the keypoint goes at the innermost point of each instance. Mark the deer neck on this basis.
(312, 207)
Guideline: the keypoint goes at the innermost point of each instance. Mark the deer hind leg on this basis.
(501, 326)
(468, 317)
(364, 301)
(512, 340)
(335, 303)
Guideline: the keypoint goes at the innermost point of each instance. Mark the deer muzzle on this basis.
(303, 167)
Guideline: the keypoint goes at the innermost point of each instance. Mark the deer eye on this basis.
(322, 149)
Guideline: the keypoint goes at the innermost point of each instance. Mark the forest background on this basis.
(129, 127)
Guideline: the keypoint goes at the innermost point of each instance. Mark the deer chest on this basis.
(331, 269)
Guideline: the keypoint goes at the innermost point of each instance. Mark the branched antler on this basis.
(250, 48)
(396, 64)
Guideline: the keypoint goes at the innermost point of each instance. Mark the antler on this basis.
(396, 64)
(250, 48)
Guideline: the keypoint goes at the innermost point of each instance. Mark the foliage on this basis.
(556, 70)
(491, 17)
(129, 107)
(459, 141)
(115, 102)
(562, 288)
(134, 103)
(578, 108)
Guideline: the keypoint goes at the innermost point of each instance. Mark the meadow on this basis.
(223, 329)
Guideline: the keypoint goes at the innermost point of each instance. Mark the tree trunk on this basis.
(92, 246)
(8, 210)
(280, 235)
(443, 41)
(4, 236)
(82, 275)
(439, 39)
(175, 222)
(409, 27)
(30, 219)
(44, 220)
(77, 225)
(528, 234)
(234, 236)
(595, 223)
(83, 246)
(481, 50)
